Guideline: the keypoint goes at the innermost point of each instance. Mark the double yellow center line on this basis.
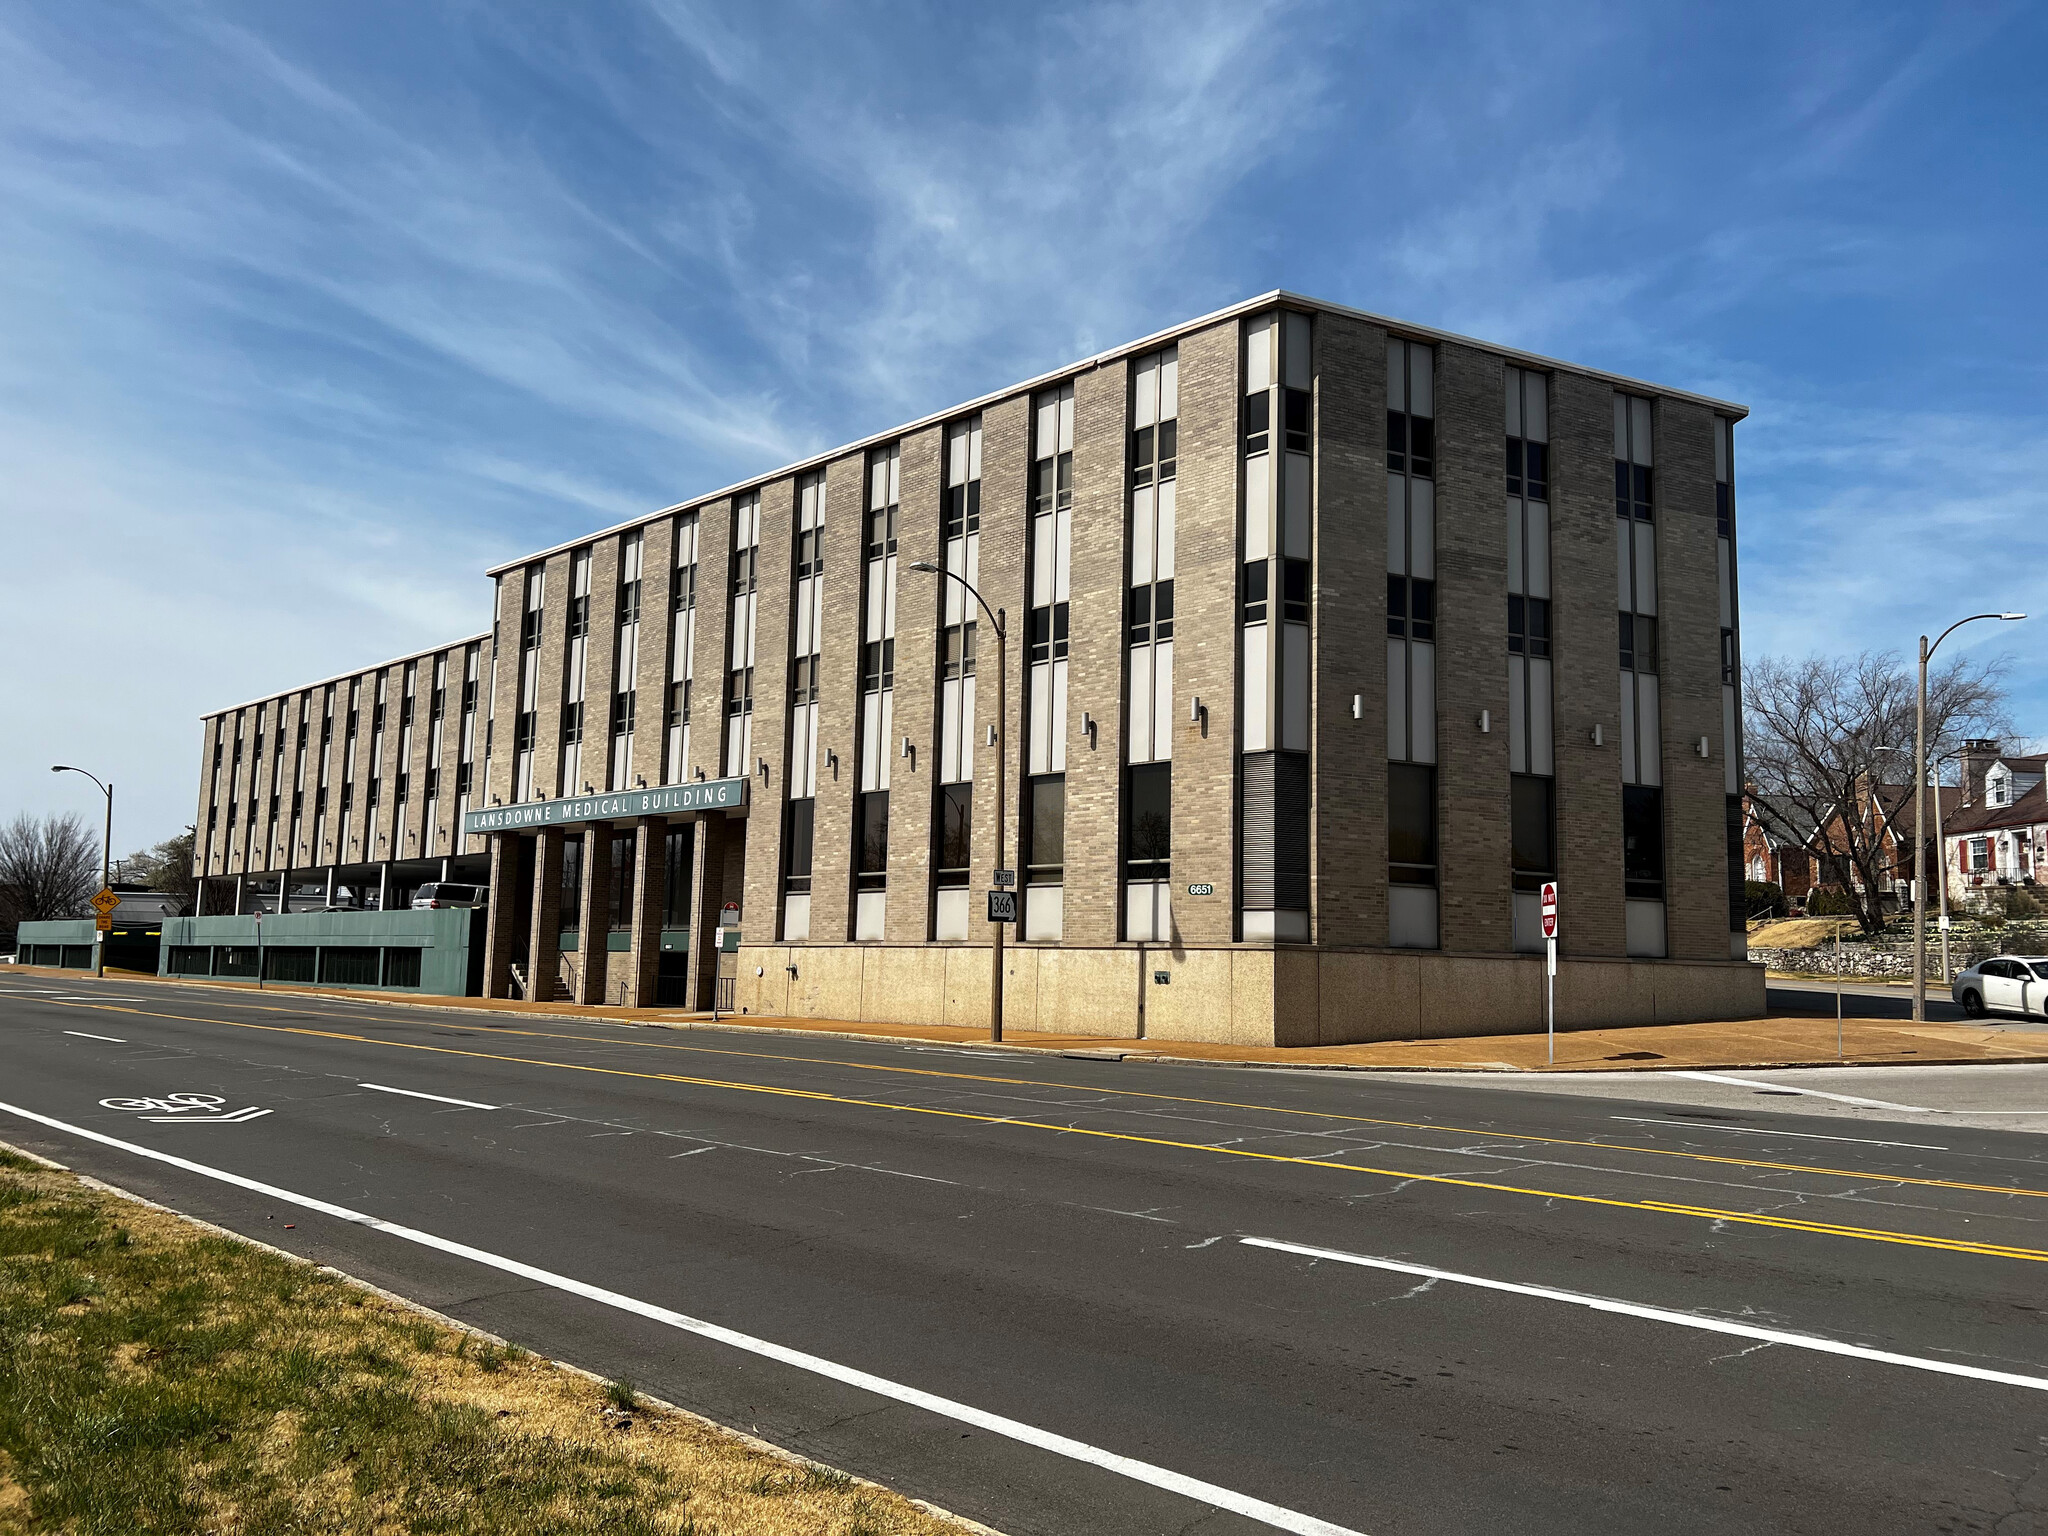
(1662, 1207)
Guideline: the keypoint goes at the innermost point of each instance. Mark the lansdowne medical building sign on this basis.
(714, 795)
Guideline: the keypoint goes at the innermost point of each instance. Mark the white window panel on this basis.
(1397, 699)
(875, 617)
(1041, 717)
(1139, 745)
(686, 541)
(1148, 911)
(1536, 408)
(1258, 355)
(949, 731)
(1516, 527)
(803, 752)
(1295, 485)
(572, 771)
(1621, 426)
(1063, 547)
(966, 731)
(889, 598)
(956, 456)
(973, 572)
(1041, 561)
(1646, 567)
(1144, 534)
(1294, 355)
(1163, 555)
(579, 573)
(1162, 700)
(1624, 584)
(1628, 728)
(871, 740)
(1258, 507)
(1422, 701)
(1538, 520)
(1256, 674)
(1067, 419)
(870, 909)
(678, 752)
(953, 598)
(806, 609)
(888, 753)
(951, 918)
(1643, 926)
(796, 918)
(1421, 380)
(1542, 747)
(1397, 373)
(1422, 529)
(1518, 715)
(1294, 687)
(1514, 401)
(1169, 384)
(1411, 916)
(1724, 584)
(1145, 393)
(1058, 729)
(1650, 754)
(1042, 912)
(572, 684)
(622, 754)
(629, 652)
(1397, 525)
(1728, 741)
(1048, 428)
(1639, 419)
(629, 557)
(1721, 448)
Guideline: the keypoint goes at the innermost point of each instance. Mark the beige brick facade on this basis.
(1345, 983)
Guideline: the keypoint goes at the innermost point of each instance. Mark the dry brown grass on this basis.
(158, 1376)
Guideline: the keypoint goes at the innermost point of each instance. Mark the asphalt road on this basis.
(1059, 1278)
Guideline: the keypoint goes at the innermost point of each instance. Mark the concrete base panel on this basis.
(1235, 996)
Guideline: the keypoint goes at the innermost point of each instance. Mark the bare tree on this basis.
(48, 869)
(167, 867)
(1812, 734)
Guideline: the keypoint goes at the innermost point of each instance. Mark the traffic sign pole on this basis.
(1549, 903)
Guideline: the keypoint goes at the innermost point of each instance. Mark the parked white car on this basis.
(2007, 984)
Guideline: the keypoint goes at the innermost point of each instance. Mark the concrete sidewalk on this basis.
(1786, 1041)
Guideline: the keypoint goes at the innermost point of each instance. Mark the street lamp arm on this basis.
(932, 567)
(1973, 618)
(67, 768)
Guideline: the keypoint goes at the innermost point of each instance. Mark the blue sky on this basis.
(309, 313)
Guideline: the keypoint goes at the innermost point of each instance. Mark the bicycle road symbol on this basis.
(186, 1109)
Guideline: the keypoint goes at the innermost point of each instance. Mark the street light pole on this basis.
(995, 618)
(99, 947)
(1920, 812)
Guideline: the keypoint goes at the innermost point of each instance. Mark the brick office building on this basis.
(1330, 639)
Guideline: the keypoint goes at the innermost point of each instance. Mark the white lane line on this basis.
(1751, 1130)
(413, 1093)
(84, 1035)
(1662, 1315)
(1236, 1503)
(1814, 1093)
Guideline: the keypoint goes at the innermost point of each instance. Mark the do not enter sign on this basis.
(1550, 909)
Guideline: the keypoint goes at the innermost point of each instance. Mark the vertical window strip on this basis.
(1052, 511)
(1412, 905)
(878, 691)
(1731, 672)
(1532, 840)
(1148, 712)
(626, 662)
(575, 675)
(1641, 731)
(675, 761)
(743, 581)
(960, 550)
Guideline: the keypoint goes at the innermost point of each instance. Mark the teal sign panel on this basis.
(711, 795)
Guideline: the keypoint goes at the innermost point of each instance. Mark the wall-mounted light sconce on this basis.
(1194, 709)
(832, 762)
(1485, 722)
(640, 780)
(700, 775)
(1705, 750)
(1088, 725)
(792, 971)
(496, 801)
(761, 767)
(991, 737)
(1358, 706)
(905, 750)
(1598, 738)
(589, 788)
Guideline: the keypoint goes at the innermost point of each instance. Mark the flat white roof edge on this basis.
(375, 666)
(1125, 349)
